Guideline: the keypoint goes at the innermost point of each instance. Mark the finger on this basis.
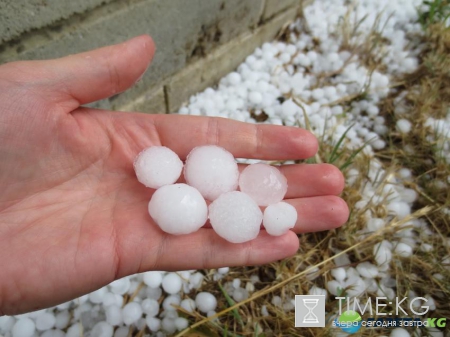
(89, 76)
(243, 140)
(205, 249)
(319, 213)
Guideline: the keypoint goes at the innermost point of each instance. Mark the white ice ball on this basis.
(188, 304)
(235, 217)
(279, 218)
(403, 125)
(403, 250)
(114, 315)
(131, 313)
(154, 324)
(45, 321)
(157, 166)
(172, 283)
(205, 302)
(150, 307)
(102, 329)
(264, 183)
(24, 327)
(178, 209)
(212, 170)
(153, 279)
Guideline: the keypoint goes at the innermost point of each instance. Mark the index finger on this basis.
(244, 140)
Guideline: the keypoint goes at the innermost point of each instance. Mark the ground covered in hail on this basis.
(371, 79)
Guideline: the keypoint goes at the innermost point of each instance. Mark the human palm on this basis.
(73, 216)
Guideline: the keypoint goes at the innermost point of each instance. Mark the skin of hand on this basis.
(73, 216)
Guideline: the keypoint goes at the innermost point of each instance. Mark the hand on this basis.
(73, 216)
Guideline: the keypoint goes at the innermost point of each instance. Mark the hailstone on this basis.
(235, 217)
(178, 209)
(212, 170)
(264, 183)
(279, 218)
(157, 166)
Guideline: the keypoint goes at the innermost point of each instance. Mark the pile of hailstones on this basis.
(211, 173)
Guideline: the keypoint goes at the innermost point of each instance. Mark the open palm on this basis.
(73, 216)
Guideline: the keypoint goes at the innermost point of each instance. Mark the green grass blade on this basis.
(231, 302)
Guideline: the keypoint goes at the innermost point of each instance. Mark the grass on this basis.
(427, 95)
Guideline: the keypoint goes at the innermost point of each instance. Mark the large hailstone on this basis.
(279, 218)
(178, 209)
(157, 166)
(264, 183)
(212, 170)
(235, 217)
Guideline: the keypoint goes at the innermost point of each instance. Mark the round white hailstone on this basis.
(97, 296)
(75, 330)
(317, 291)
(399, 332)
(223, 270)
(169, 301)
(264, 311)
(153, 279)
(172, 283)
(62, 319)
(45, 321)
(403, 250)
(399, 208)
(154, 324)
(196, 280)
(122, 332)
(430, 302)
(114, 315)
(382, 254)
(279, 218)
(235, 217)
(178, 209)
(188, 304)
(355, 287)
(205, 302)
(339, 274)
(109, 299)
(168, 325)
(121, 286)
(264, 183)
(157, 166)
(236, 283)
(102, 329)
(255, 97)
(131, 313)
(212, 170)
(6, 323)
(150, 307)
(181, 323)
(276, 301)
(403, 125)
(53, 333)
(367, 270)
(234, 78)
(289, 108)
(334, 287)
(24, 327)
(240, 294)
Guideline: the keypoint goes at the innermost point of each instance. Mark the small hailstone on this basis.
(399, 208)
(154, 324)
(255, 97)
(240, 294)
(196, 280)
(367, 270)
(212, 170)
(168, 325)
(236, 283)
(172, 283)
(114, 315)
(317, 291)
(188, 304)
(62, 319)
(102, 329)
(383, 254)
(289, 108)
(122, 332)
(181, 323)
(223, 270)
(403, 125)
(157, 166)
(121, 286)
(276, 301)
(150, 307)
(178, 209)
(334, 287)
(131, 313)
(279, 218)
(97, 296)
(75, 330)
(24, 327)
(264, 311)
(264, 183)
(235, 217)
(45, 321)
(153, 279)
(170, 301)
(399, 332)
(339, 274)
(403, 250)
(205, 302)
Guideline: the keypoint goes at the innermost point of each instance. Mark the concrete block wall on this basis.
(198, 41)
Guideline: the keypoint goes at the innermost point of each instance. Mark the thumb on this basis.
(89, 76)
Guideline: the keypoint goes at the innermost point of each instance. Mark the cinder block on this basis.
(19, 16)
(274, 7)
